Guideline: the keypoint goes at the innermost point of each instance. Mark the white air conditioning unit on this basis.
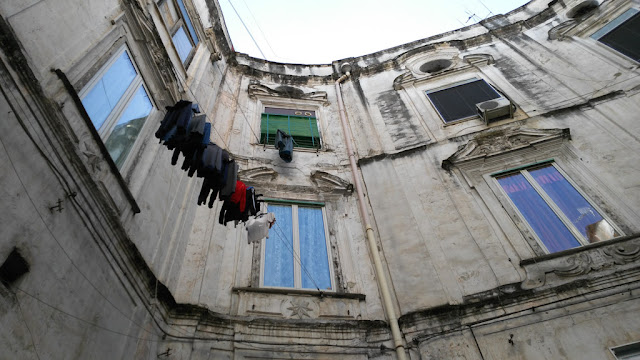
(491, 110)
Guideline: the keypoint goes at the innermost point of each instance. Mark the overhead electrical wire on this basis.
(246, 28)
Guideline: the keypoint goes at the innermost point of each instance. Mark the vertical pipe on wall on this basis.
(373, 247)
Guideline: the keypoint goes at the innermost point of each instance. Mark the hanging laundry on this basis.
(258, 228)
(192, 142)
(231, 177)
(175, 122)
(189, 134)
(284, 143)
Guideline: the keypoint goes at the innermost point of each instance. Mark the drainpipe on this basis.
(373, 247)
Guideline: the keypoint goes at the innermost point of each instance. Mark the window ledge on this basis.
(605, 258)
(577, 250)
(329, 294)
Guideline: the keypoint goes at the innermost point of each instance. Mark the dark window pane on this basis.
(614, 23)
(625, 38)
(123, 136)
(103, 97)
(182, 43)
(278, 254)
(313, 249)
(187, 20)
(585, 218)
(551, 231)
(460, 101)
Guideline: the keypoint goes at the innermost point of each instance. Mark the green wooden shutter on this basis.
(303, 129)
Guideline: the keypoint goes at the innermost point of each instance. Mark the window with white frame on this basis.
(559, 214)
(622, 34)
(458, 101)
(180, 27)
(296, 254)
(118, 104)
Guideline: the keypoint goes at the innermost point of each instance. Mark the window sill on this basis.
(329, 294)
(607, 258)
(295, 149)
(96, 137)
(578, 249)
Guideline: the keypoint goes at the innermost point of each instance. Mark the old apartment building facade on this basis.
(472, 195)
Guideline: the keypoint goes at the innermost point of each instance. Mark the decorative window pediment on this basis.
(329, 182)
(502, 141)
(444, 61)
(258, 90)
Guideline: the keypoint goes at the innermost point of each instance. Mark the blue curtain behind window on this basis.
(313, 248)
(568, 199)
(278, 256)
(103, 97)
(545, 223)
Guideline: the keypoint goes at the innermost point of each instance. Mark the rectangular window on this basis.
(296, 254)
(622, 34)
(559, 215)
(459, 101)
(118, 104)
(302, 125)
(179, 24)
(627, 352)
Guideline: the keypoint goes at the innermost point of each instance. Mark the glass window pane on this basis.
(103, 97)
(278, 254)
(614, 23)
(459, 102)
(551, 231)
(187, 20)
(128, 127)
(625, 38)
(183, 46)
(575, 207)
(313, 249)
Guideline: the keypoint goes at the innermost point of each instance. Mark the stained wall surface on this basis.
(123, 262)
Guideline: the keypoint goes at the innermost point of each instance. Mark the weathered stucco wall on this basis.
(132, 267)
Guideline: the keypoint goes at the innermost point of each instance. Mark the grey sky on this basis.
(318, 32)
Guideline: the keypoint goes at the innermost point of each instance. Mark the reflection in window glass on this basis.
(313, 249)
(278, 257)
(187, 20)
(183, 46)
(578, 210)
(544, 222)
(128, 126)
(556, 211)
(105, 94)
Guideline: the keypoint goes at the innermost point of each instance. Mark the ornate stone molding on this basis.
(500, 141)
(478, 59)
(609, 256)
(259, 90)
(259, 174)
(331, 183)
(559, 31)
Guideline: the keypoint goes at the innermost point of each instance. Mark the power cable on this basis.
(295, 256)
(60, 245)
(186, 86)
(24, 320)
(260, 29)
(86, 321)
(246, 28)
